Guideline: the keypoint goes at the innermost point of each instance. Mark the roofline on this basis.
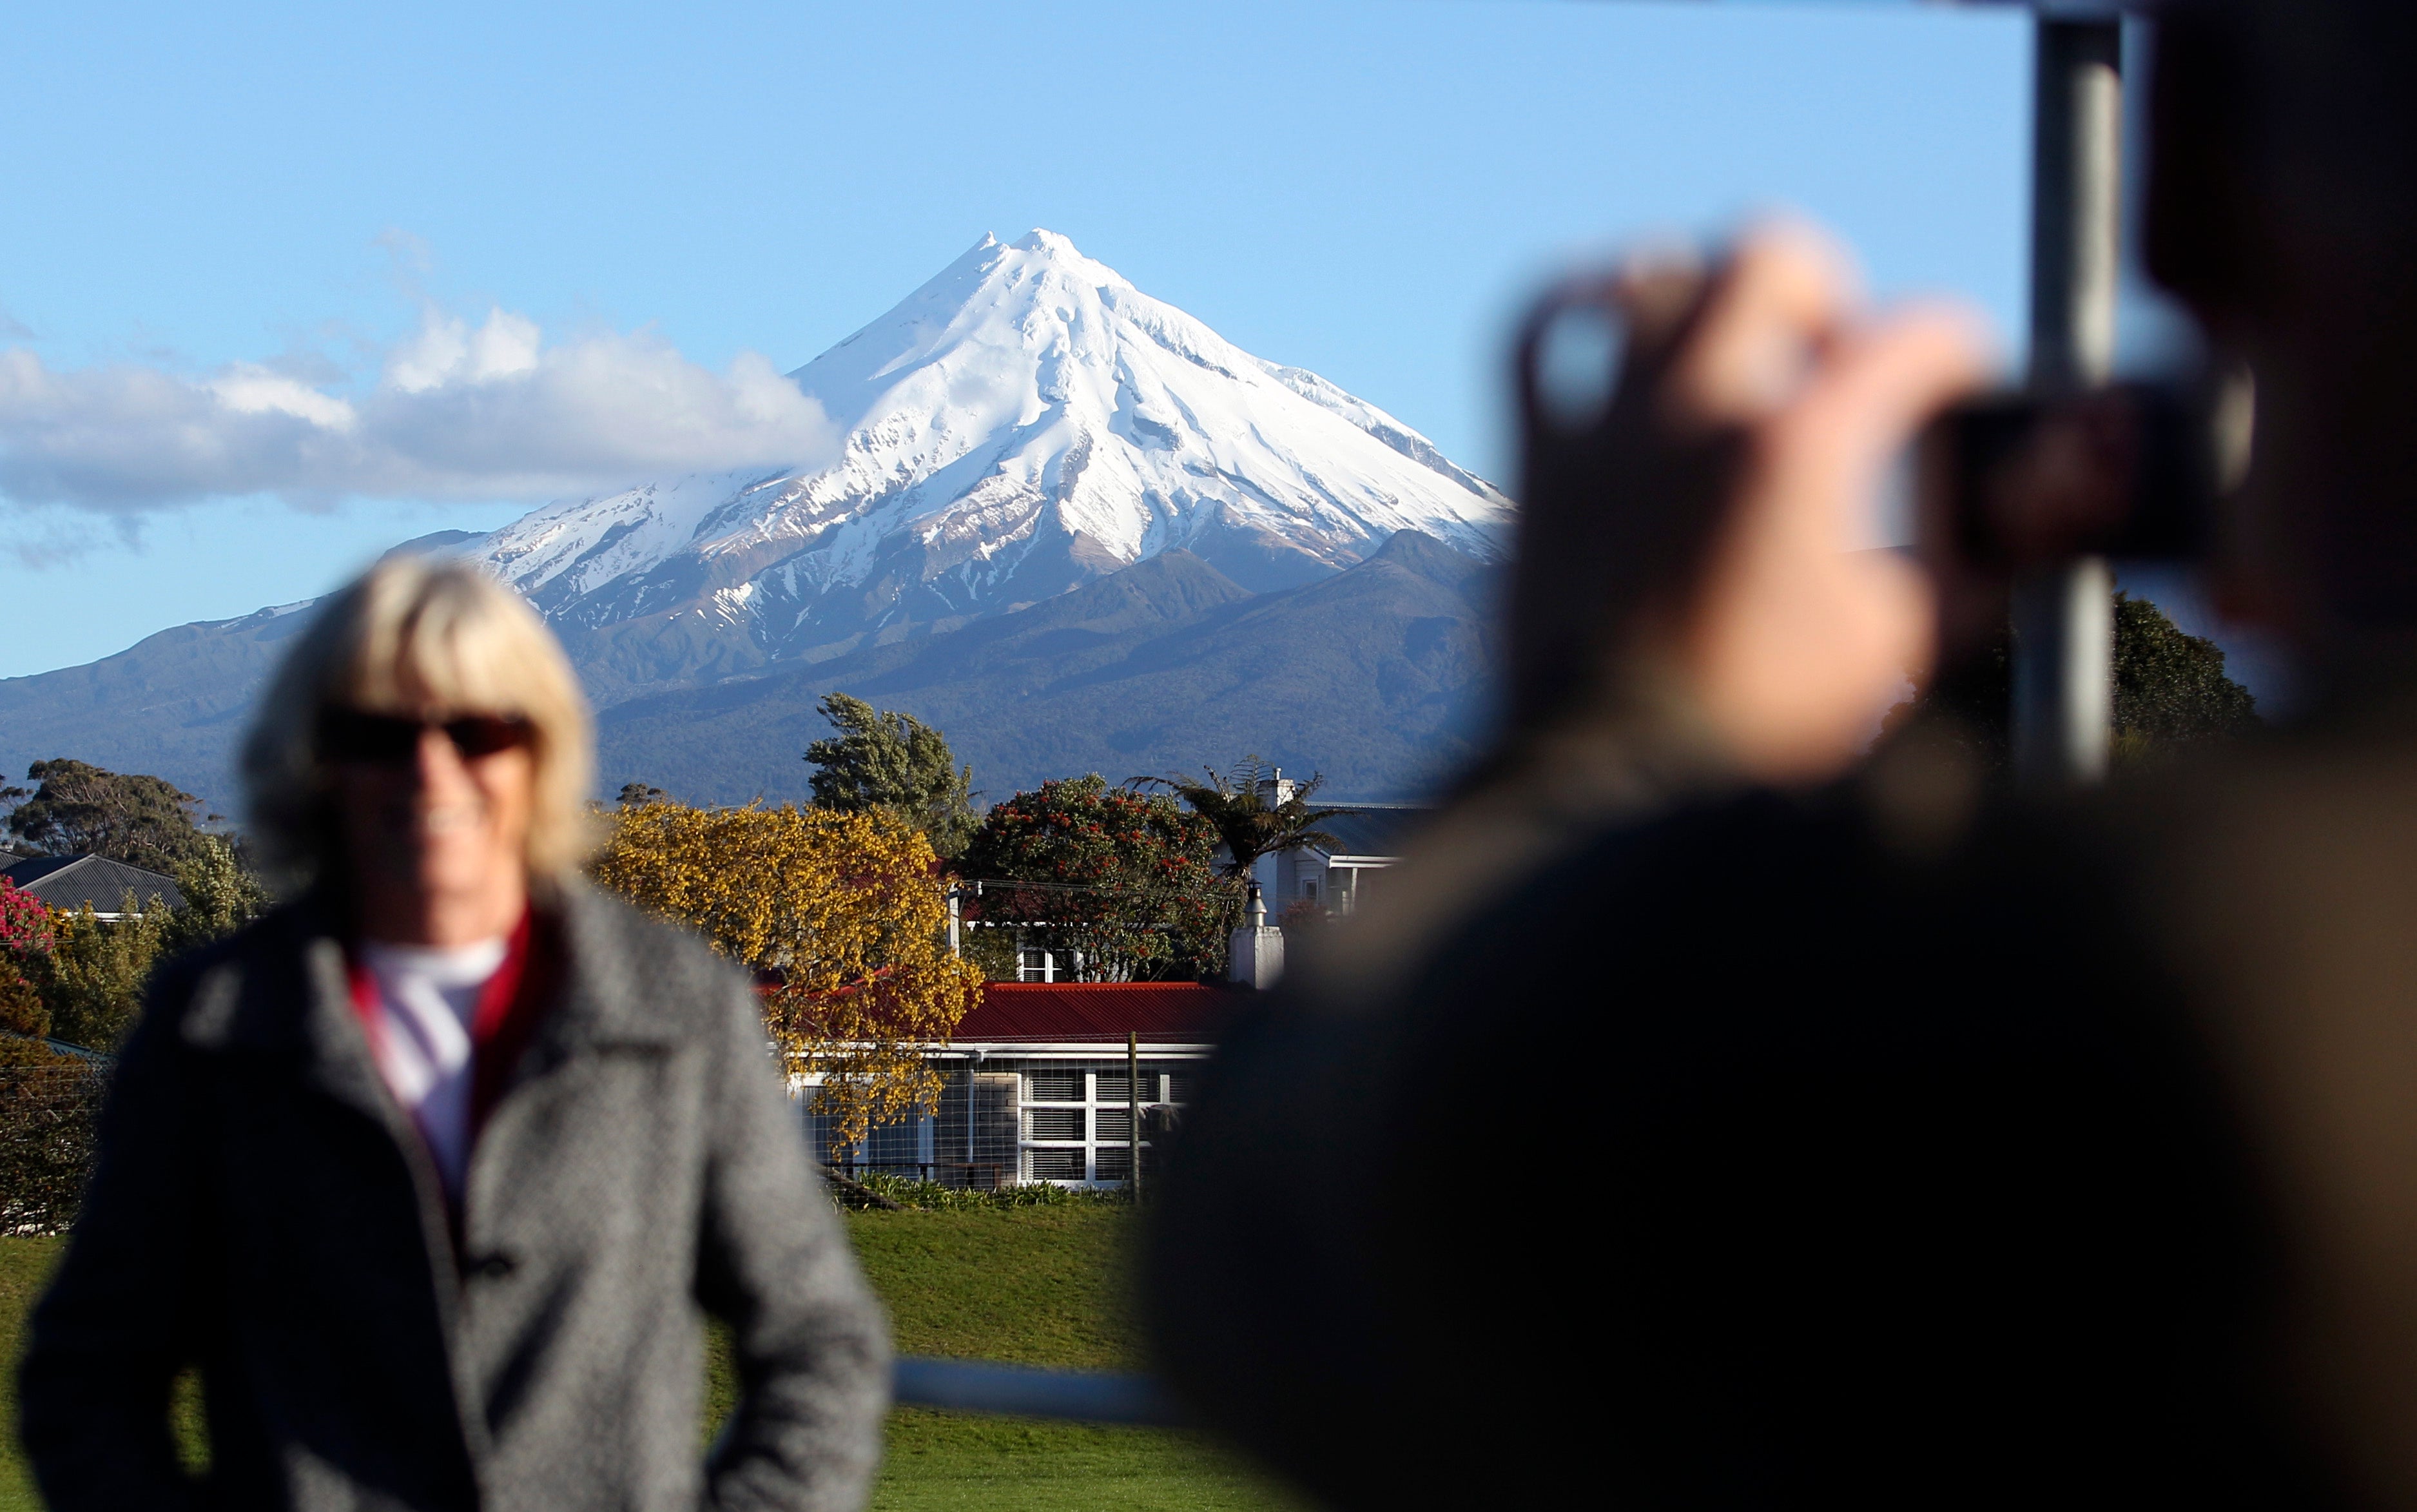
(81, 1053)
(1071, 1045)
(68, 863)
(1129, 986)
(1074, 1046)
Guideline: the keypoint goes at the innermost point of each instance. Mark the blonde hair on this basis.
(410, 633)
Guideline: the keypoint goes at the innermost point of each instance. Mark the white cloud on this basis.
(456, 411)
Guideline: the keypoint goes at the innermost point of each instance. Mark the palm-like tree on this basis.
(1238, 804)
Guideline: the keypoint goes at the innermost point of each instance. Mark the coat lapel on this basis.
(601, 1002)
(601, 1006)
(336, 1055)
(289, 994)
(339, 1063)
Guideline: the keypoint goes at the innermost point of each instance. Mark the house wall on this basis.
(1012, 1118)
(1286, 877)
(1297, 875)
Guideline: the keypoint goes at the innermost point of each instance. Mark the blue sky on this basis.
(1366, 188)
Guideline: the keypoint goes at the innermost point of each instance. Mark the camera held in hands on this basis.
(2018, 481)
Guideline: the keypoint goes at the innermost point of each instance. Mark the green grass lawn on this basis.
(1042, 1286)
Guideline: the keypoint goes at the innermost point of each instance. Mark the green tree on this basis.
(1240, 805)
(221, 896)
(2171, 690)
(2171, 687)
(895, 763)
(80, 977)
(91, 979)
(1127, 880)
(80, 808)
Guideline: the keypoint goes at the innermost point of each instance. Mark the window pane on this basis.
(1113, 1124)
(1057, 1165)
(1115, 1165)
(1056, 1122)
(895, 1146)
(1054, 1086)
(1113, 1087)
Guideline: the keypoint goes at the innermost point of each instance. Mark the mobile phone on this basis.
(2018, 481)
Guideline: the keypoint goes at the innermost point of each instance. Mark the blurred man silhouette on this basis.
(1719, 1122)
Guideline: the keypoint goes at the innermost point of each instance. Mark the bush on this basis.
(221, 896)
(21, 1010)
(50, 1111)
(931, 1196)
(92, 978)
(1126, 880)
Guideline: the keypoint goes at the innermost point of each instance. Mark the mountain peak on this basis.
(1050, 242)
(1023, 423)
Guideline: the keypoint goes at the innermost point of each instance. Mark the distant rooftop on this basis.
(1375, 828)
(1063, 1012)
(73, 882)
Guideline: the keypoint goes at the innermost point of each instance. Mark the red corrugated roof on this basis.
(1160, 1012)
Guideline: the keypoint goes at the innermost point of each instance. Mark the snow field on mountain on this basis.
(1025, 408)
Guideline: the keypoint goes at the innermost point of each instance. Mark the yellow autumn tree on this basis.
(847, 911)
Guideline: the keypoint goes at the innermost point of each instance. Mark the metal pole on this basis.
(973, 1109)
(2064, 616)
(1133, 1091)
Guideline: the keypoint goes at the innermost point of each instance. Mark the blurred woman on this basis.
(428, 1171)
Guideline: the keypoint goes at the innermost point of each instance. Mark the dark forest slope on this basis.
(1375, 675)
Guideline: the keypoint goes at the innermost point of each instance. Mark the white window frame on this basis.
(1158, 1092)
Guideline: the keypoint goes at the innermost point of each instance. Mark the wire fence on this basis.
(1010, 1118)
(49, 1119)
(1004, 1120)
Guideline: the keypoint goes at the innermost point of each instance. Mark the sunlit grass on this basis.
(1040, 1286)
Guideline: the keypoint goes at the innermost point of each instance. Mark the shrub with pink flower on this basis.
(26, 928)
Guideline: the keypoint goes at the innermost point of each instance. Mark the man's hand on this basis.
(1704, 534)
(1795, 642)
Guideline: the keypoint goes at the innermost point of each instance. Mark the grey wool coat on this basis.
(262, 1209)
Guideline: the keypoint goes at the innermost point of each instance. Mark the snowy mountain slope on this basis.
(1023, 426)
(1024, 423)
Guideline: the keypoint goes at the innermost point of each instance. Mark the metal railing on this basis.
(1027, 1391)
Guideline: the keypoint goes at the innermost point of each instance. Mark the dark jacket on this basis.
(264, 1209)
(1842, 1150)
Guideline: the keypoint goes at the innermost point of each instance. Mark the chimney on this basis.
(1256, 956)
(1275, 789)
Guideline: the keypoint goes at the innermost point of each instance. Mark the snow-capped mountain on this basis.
(1024, 423)
(1069, 522)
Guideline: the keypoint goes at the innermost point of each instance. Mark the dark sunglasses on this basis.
(354, 736)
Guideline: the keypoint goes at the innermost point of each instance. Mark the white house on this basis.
(1336, 879)
(1035, 1087)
